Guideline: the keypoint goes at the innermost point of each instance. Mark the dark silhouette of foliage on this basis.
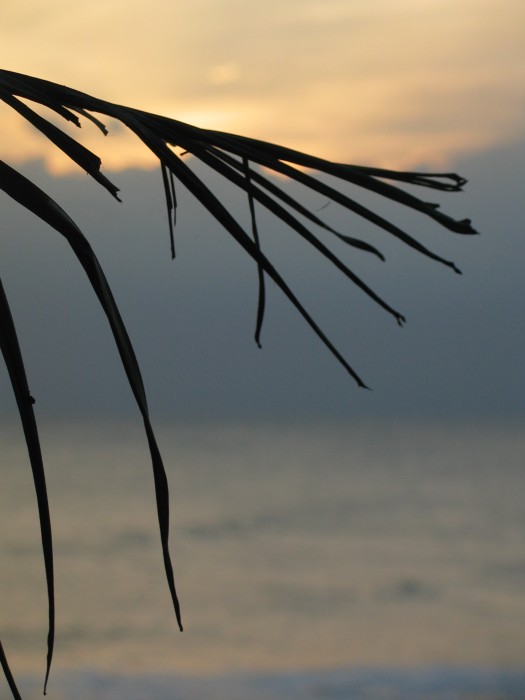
(233, 157)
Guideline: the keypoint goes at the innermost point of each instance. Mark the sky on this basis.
(394, 83)
(406, 85)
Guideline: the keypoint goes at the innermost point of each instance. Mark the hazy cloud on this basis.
(388, 83)
(192, 320)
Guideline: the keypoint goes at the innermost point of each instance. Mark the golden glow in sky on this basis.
(401, 84)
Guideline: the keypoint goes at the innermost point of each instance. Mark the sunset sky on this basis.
(401, 84)
(408, 84)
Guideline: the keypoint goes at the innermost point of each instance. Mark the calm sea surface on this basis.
(375, 562)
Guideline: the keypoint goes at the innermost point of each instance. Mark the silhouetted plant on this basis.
(231, 156)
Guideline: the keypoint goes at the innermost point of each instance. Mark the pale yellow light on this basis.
(224, 73)
(403, 84)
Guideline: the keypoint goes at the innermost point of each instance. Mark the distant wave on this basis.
(435, 683)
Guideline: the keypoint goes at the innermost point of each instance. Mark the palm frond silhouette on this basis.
(236, 158)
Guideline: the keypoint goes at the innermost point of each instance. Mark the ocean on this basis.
(366, 561)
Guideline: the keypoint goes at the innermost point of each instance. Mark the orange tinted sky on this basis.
(403, 84)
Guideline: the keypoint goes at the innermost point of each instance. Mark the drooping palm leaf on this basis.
(29, 195)
(8, 675)
(15, 367)
(231, 156)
